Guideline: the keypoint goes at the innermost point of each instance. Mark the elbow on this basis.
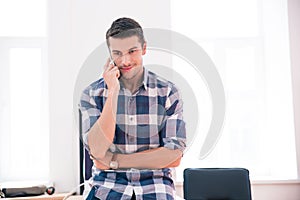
(175, 162)
(97, 152)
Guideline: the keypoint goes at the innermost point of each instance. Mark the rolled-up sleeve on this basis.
(89, 114)
(173, 132)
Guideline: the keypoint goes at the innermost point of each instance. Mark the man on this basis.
(132, 123)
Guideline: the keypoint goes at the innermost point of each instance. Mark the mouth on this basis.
(125, 69)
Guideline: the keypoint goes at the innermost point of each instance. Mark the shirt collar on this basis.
(145, 80)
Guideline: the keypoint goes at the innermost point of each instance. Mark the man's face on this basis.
(127, 54)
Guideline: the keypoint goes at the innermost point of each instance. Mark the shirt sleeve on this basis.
(89, 113)
(173, 132)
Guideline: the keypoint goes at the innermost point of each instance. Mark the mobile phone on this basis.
(112, 61)
(110, 57)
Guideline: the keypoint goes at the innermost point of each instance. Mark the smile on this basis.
(126, 69)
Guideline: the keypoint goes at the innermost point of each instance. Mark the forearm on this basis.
(101, 135)
(150, 159)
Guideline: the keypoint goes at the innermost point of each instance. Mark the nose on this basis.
(125, 60)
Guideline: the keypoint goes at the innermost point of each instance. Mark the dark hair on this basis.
(125, 27)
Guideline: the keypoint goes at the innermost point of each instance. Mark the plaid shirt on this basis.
(150, 118)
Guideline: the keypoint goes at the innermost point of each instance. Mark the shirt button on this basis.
(131, 118)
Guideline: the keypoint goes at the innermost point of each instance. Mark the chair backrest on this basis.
(85, 162)
(216, 184)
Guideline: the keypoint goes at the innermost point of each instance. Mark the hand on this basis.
(103, 164)
(111, 75)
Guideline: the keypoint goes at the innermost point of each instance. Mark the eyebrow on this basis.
(127, 50)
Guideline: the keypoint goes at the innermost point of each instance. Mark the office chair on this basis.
(84, 158)
(216, 184)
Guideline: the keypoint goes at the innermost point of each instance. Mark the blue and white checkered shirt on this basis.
(150, 118)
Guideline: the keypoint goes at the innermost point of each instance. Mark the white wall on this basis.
(63, 155)
(294, 27)
(76, 28)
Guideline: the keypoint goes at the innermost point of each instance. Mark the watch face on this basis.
(113, 164)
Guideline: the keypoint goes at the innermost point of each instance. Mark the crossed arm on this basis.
(150, 159)
(100, 138)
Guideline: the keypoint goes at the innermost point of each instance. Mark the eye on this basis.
(116, 53)
(132, 51)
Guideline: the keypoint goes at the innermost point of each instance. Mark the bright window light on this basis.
(24, 127)
(248, 41)
(28, 140)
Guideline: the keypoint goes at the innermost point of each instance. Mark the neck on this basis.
(133, 84)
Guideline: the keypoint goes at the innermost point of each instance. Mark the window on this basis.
(248, 41)
(24, 91)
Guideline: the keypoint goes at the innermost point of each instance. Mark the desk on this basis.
(48, 197)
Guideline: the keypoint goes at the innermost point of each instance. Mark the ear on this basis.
(144, 48)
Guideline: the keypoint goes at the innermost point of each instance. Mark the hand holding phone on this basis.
(111, 75)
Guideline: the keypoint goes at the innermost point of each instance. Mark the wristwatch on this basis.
(114, 164)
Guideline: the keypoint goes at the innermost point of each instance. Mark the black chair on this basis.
(84, 158)
(216, 184)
